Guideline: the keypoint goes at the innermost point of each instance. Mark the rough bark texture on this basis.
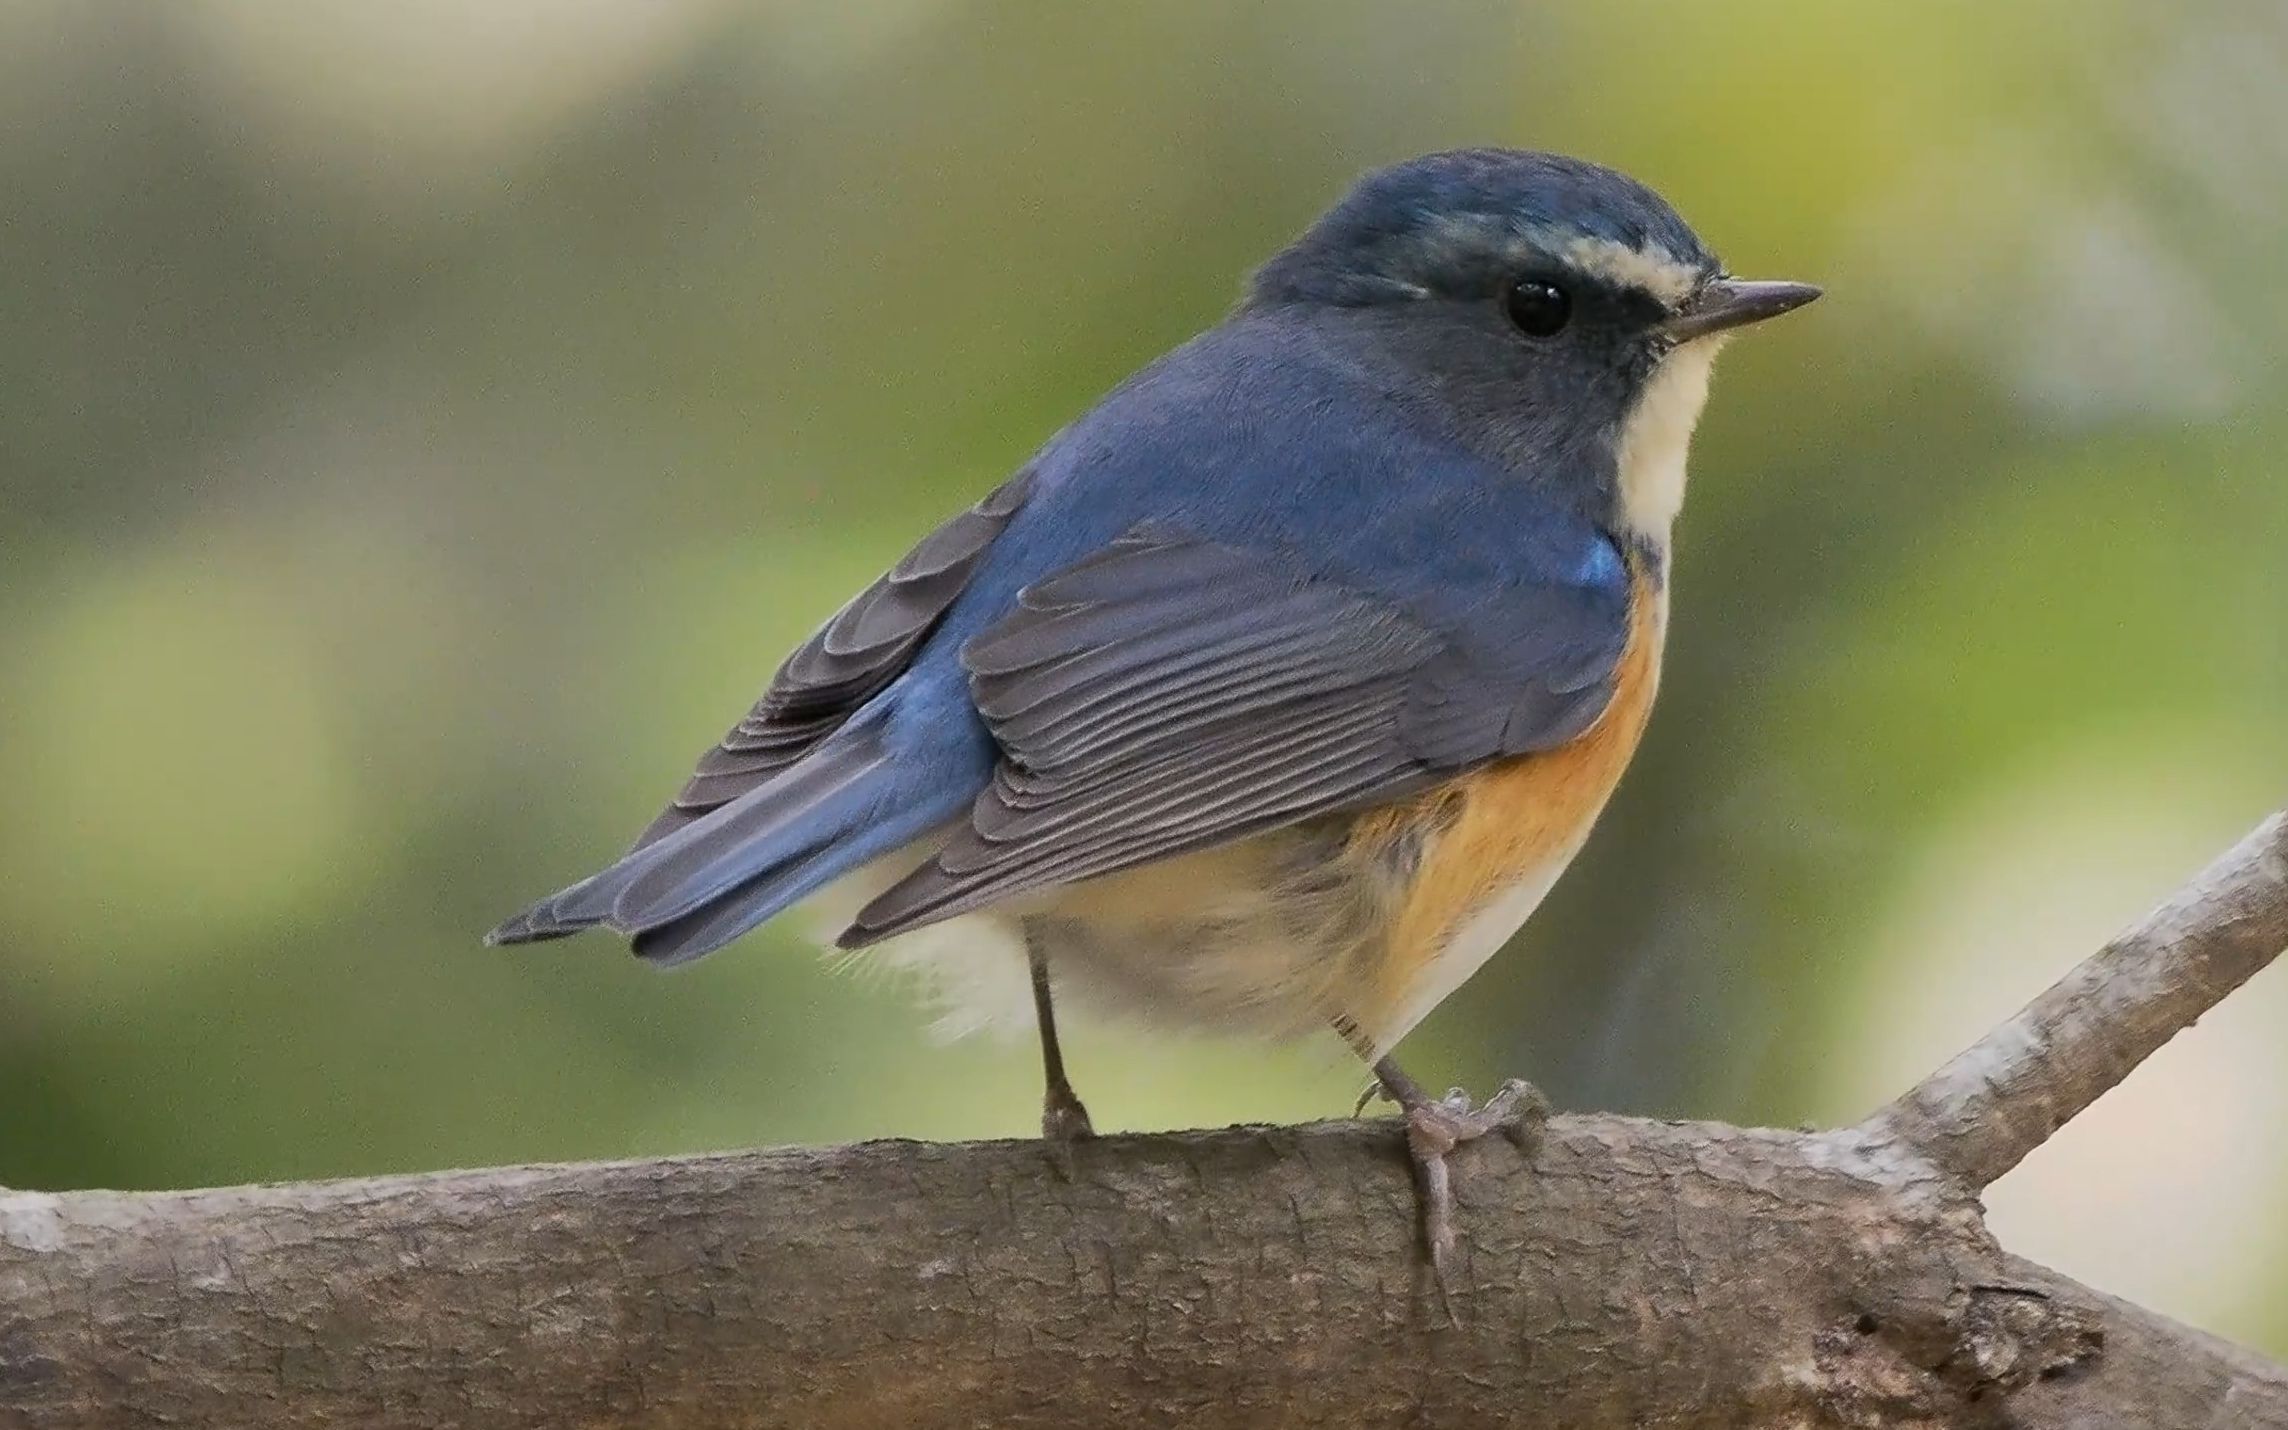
(1623, 1273)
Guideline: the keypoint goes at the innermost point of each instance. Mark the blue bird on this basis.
(1276, 691)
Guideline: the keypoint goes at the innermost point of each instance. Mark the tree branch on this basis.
(2005, 1095)
(1626, 1272)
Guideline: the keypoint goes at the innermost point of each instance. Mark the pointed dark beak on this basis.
(1734, 303)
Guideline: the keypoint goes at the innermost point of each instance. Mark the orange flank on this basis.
(1507, 824)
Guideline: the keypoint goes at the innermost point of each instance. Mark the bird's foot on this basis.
(1064, 1121)
(1434, 1128)
(1373, 1091)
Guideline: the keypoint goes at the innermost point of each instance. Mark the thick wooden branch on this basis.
(1623, 1273)
(1631, 1273)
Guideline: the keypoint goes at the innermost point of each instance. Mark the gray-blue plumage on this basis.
(1353, 540)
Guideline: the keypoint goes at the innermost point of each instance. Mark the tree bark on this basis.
(1622, 1272)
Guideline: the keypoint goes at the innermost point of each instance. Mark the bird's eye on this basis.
(1539, 309)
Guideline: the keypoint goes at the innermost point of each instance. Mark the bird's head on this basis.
(1561, 311)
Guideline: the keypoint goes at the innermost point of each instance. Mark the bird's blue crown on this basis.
(1457, 223)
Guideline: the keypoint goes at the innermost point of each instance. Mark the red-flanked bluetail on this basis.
(1274, 692)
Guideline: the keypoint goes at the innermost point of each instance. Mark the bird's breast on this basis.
(1501, 836)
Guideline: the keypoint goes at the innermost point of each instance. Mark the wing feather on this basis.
(1170, 693)
(849, 661)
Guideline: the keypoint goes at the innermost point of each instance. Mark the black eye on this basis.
(1539, 309)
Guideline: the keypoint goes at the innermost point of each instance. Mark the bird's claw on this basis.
(1373, 1091)
(1064, 1122)
(1520, 1111)
(1434, 1129)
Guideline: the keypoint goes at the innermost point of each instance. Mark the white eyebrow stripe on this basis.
(1652, 268)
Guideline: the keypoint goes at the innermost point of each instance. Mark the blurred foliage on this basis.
(425, 426)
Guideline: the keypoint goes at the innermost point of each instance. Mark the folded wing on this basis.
(851, 659)
(1169, 693)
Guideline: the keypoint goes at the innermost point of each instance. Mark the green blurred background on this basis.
(423, 426)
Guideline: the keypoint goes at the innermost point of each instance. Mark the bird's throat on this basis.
(1656, 437)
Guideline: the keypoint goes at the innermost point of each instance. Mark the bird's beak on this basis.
(1725, 303)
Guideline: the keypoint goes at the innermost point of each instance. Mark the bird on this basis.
(1275, 692)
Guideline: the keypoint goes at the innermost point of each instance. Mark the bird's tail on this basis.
(843, 805)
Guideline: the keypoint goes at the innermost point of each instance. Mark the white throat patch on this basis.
(1657, 437)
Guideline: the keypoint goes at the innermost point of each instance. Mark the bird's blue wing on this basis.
(1174, 692)
(780, 805)
(852, 658)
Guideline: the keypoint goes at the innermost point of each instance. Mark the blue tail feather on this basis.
(845, 804)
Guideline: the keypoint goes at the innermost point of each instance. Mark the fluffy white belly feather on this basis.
(1266, 936)
(1240, 959)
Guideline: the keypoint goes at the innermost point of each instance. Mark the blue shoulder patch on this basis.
(1601, 567)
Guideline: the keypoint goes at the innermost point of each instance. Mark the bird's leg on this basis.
(1063, 1120)
(1435, 1127)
